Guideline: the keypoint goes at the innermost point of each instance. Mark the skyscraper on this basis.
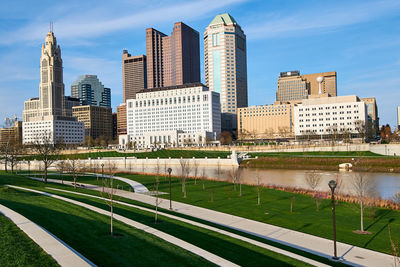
(226, 66)
(46, 118)
(172, 60)
(134, 74)
(51, 87)
(91, 91)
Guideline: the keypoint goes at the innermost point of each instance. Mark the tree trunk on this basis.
(5, 164)
(112, 215)
(74, 182)
(291, 205)
(45, 172)
(362, 216)
(258, 197)
(240, 189)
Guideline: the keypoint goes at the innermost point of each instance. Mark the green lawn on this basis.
(142, 155)
(88, 227)
(17, 249)
(239, 252)
(88, 233)
(275, 209)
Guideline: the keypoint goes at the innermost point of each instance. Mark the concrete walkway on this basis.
(248, 240)
(136, 186)
(61, 252)
(349, 254)
(169, 238)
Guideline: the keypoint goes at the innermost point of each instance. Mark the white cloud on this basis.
(83, 24)
(321, 18)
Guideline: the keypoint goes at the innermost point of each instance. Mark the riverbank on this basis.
(370, 164)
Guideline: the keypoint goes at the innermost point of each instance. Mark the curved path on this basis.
(137, 187)
(208, 227)
(169, 238)
(61, 252)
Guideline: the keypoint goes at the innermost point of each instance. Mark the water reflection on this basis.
(384, 185)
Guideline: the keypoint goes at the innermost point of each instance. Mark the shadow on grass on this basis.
(378, 232)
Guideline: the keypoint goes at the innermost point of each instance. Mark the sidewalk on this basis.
(349, 254)
(61, 252)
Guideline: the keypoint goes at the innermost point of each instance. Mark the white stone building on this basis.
(173, 116)
(49, 115)
(58, 131)
(324, 115)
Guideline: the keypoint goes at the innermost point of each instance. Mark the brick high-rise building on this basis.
(134, 74)
(172, 60)
(97, 120)
(121, 119)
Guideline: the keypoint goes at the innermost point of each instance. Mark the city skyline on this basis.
(359, 48)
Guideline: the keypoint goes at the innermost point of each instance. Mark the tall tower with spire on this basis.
(46, 118)
(51, 87)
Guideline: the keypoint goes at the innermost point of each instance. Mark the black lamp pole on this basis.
(332, 185)
(170, 200)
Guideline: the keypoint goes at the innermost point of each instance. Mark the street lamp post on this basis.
(332, 185)
(170, 200)
(102, 173)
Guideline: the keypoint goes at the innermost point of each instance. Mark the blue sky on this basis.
(358, 39)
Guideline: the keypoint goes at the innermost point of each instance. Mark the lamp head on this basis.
(169, 170)
(332, 184)
(102, 165)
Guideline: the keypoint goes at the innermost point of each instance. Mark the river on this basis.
(383, 185)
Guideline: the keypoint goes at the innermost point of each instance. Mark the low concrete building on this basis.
(53, 129)
(323, 116)
(266, 122)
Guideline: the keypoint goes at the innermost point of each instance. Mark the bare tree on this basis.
(396, 198)
(74, 166)
(313, 180)
(339, 187)
(96, 167)
(259, 188)
(362, 186)
(395, 248)
(195, 167)
(235, 174)
(110, 190)
(218, 170)
(157, 199)
(185, 169)
(292, 199)
(203, 178)
(6, 146)
(61, 167)
(46, 151)
(15, 150)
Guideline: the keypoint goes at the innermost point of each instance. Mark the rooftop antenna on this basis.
(51, 26)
